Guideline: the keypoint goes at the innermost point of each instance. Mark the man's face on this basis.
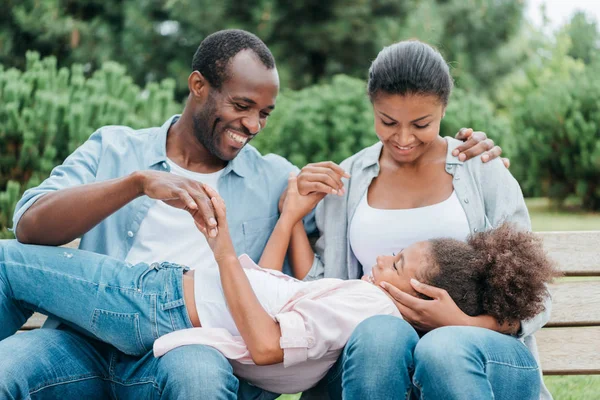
(232, 116)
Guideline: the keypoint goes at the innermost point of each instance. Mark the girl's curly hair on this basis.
(501, 272)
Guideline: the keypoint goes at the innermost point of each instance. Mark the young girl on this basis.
(280, 333)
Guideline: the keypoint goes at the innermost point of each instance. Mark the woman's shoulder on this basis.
(367, 155)
(474, 166)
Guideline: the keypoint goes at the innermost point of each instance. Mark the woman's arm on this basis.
(260, 331)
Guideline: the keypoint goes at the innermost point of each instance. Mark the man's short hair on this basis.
(216, 50)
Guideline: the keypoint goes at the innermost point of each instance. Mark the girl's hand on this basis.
(295, 206)
(426, 315)
(221, 244)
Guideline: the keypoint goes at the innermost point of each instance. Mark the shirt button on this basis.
(475, 230)
(164, 165)
(467, 201)
(456, 178)
(129, 233)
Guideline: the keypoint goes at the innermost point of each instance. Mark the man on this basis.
(108, 193)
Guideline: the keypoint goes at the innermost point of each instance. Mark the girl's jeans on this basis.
(128, 306)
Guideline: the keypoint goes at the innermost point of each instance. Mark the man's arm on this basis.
(63, 215)
(70, 202)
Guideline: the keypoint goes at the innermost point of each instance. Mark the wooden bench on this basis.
(570, 342)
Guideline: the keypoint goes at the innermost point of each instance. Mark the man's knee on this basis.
(196, 371)
(33, 360)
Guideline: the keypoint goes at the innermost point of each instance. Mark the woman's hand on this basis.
(477, 143)
(220, 244)
(322, 177)
(294, 205)
(426, 315)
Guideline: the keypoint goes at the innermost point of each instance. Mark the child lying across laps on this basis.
(281, 334)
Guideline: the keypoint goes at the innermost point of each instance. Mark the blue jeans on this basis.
(101, 299)
(385, 359)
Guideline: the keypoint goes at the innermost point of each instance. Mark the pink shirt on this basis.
(316, 322)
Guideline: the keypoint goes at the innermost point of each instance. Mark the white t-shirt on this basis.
(169, 234)
(272, 293)
(375, 232)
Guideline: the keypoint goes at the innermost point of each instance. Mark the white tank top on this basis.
(375, 232)
(272, 293)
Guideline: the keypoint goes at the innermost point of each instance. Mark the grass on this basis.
(545, 217)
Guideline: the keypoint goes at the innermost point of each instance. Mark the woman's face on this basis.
(400, 268)
(407, 125)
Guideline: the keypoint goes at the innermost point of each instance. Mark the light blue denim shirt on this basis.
(487, 191)
(250, 185)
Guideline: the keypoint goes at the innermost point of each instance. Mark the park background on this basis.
(526, 72)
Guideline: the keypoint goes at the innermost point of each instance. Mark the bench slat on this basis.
(569, 351)
(34, 322)
(575, 304)
(576, 253)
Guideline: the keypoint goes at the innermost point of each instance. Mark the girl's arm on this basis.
(260, 331)
(289, 235)
(300, 252)
(273, 256)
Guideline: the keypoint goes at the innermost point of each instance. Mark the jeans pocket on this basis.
(122, 330)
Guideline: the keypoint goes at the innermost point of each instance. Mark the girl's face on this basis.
(407, 125)
(400, 268)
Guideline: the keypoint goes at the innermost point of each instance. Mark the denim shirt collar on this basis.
(157, 153)
(371, 156)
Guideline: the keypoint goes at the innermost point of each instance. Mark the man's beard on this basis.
(206, 132)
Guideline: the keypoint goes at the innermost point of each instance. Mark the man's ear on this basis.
(198, 85)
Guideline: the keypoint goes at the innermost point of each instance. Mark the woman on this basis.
(282, 334)
(408, 188)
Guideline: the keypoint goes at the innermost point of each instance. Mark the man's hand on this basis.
(477, 143)
(221, 244)
(180, 192)
(426, 315)
(322, 177)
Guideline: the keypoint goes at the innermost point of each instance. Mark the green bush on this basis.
(46, 113)
(475, 110)
(555, 108)
(323, 122)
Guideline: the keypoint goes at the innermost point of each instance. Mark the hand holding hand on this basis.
(476, 143)
(323, 177)
(180, 192)
(294, 205)
(221, 243)
(425, 315)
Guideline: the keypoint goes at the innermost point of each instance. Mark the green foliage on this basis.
(585, 38)
(312, 40)
(475, 110)
(46, 113)
(555, 108)
(322, 122)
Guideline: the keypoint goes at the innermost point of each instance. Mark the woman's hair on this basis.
(501, 272)
(410, 67)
